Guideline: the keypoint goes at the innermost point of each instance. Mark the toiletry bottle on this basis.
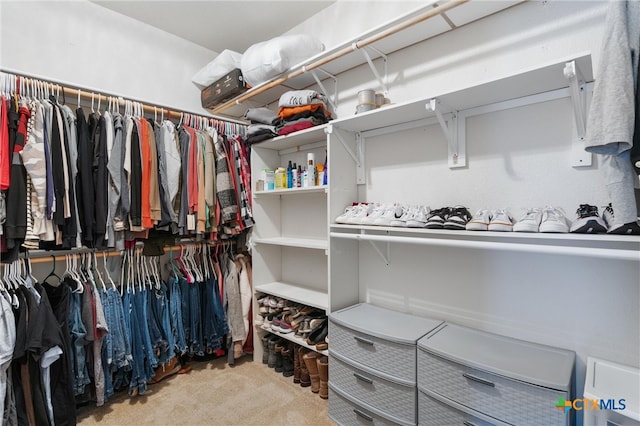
(311, 169)
(305, 178)
(299, 176)
(289, 175)
(294, 176)
(320, 174)
(325, 179)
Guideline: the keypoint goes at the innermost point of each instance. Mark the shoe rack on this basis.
(291, 241)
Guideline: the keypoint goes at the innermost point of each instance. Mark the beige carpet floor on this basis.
(214, 393)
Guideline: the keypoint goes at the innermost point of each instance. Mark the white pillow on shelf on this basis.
(223, 64)
(265, 60)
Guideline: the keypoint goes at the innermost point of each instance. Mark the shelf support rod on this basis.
(333, 101)
(604, 253)
(457, 154)
(382, 81)
(384, 256)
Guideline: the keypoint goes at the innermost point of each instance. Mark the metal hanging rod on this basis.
(104, 97)
(359, 44)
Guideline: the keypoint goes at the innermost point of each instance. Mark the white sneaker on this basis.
(407, 213)
(554, 220)
(377, 211)
(479, 221)
(419, 219)
(361, 212)
(529, 222)
(348, 212)
(387, 217)
(501, 221)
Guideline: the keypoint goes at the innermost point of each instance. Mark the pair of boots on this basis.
(278, 354)
(317, 368)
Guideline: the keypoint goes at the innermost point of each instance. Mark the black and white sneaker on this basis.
(631, 228)
(437, 218)
(588, 221)
(458, 218)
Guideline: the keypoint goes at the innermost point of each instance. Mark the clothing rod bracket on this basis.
(382, 80)
(333, 100)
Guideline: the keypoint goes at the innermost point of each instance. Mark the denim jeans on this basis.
(195, 319)
(175, 316)
(78, 354)
(107, 343)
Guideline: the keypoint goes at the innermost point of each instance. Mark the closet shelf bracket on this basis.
(456, 150)
(382, 80)
(358, 156)
(333, 100)
(385, 255)
(577, 89)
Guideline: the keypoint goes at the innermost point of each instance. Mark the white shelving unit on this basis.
(291, 237)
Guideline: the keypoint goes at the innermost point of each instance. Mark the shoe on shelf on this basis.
(348, 212)
(529, 222)
(376, 212)
(318, 334)
(388, 216)
(458, 218)
(259, 320)
(404, 214)
(437, 218)
(419, 219)
(360, 213)
(588, 221)
(554, 220)
(479, 221)
(501, 221)
(631, 228)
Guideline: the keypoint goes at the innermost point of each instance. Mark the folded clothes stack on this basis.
(263, 124)
(301, 109)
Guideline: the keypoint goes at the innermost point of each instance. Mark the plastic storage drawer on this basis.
(511, 380)
(364, 384)
(379, 338)
(345, 411)
(436, 413)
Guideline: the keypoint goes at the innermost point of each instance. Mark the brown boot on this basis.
(305, 381)
(296, 365)
(323, 372)
(312, 366)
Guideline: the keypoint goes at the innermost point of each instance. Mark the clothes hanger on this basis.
(106, 270)
(53, 274)
(96, 271)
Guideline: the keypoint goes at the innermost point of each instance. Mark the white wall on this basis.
(84, 44)
(516, 158)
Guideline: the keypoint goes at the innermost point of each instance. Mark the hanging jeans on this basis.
(107, 343)
(78, 354)
(160, 332)
(175, 316)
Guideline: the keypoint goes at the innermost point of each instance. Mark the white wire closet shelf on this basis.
(429, 20)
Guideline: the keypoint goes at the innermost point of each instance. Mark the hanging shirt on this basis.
(174, 165)
(5, 156)
(84, 182)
